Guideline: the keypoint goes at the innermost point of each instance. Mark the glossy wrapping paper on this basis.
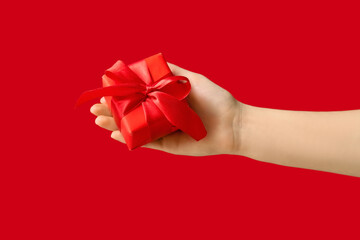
(147, 101)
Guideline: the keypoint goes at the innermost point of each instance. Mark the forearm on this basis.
(327, 141)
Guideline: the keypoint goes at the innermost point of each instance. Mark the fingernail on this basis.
(113, 135)
(92, 109)
(97, 120)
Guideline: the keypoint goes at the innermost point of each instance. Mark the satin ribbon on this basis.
(167, 94)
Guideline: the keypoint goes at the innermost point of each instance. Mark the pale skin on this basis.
(325, 141)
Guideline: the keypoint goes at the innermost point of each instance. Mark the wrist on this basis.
(237, 126)
(241, 127)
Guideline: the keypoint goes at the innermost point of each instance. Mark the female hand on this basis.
(217, 108)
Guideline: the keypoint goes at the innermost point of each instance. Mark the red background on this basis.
(63, 177)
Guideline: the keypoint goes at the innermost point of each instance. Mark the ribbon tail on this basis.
(116, 90)
(91, 94)
(180, 115)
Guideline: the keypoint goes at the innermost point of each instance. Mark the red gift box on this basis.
(147, 101)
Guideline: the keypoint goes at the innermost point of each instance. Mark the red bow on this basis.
(166, 94)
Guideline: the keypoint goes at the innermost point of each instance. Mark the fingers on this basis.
(158, 144)
(100, 109)
(117, 136)
(102, 100)
(154, 145)
(106, 122)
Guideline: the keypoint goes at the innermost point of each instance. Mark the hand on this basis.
(217, 108)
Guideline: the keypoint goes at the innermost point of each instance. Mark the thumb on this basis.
(178, 71)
